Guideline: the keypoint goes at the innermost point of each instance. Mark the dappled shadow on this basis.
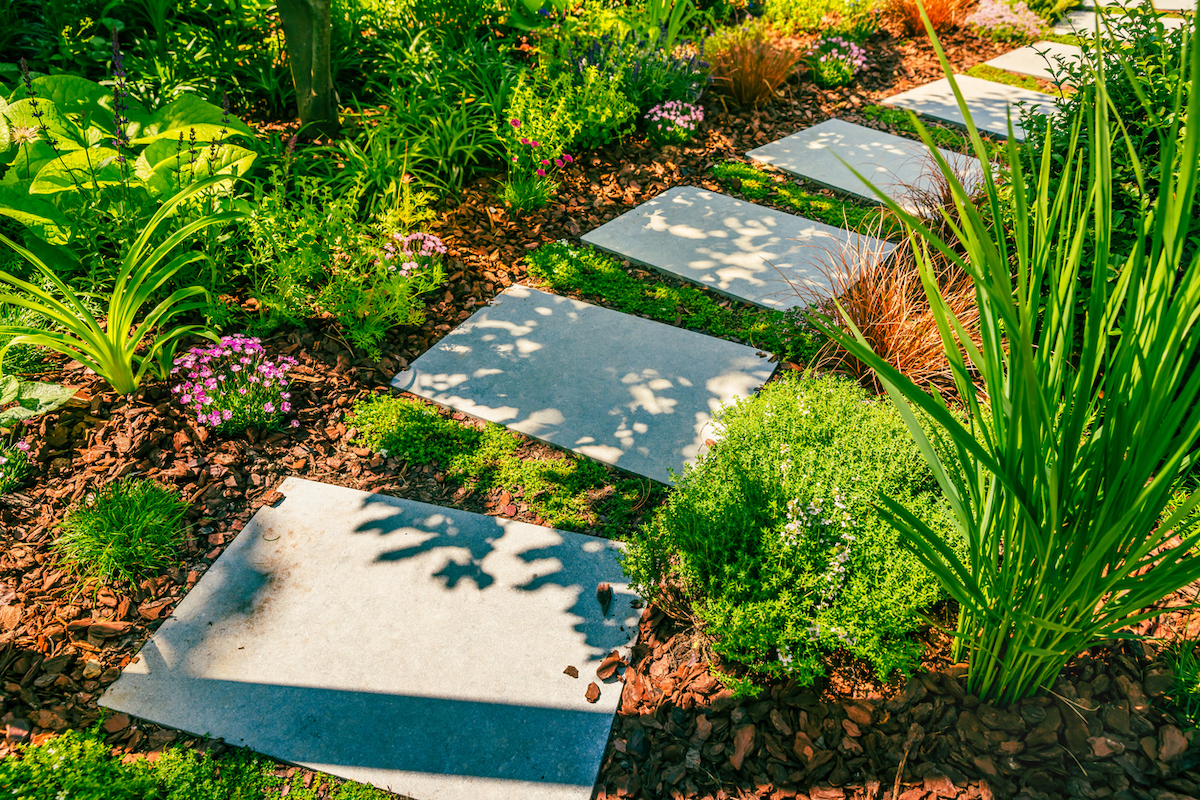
(988, 101)
(900, 168)
(626, 391)
(740, 249)
(418, 648)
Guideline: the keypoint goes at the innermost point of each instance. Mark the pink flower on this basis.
(558, 162)
(23, 446)
(541, 172)
(524, 140)
(295, 423)
(567, 158)
(516, 123)
(545, 162)
(269, 407)
(533, 143)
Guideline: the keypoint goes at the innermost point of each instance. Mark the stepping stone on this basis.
(902, 168)
(988, 102)
(740, 249)
(417, 648)
(1159, 5)
(624, 390)
(1083, 22)
(1040, 59)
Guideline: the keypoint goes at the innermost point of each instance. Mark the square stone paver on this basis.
(1083, 21)
(414, 647)
(903, 169)
(624, 390)
(1040, 59)
(988, 102)
(741, 249)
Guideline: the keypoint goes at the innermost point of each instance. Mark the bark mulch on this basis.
(679, 733)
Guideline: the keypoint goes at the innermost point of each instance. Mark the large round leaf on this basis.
(188, 113)
(92, 168)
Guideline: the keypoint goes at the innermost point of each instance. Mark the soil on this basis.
(1102, 732)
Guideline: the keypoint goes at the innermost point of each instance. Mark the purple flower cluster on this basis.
(540, 164)
(406, 254)
(673, 122)
(232, 385)
(1003, 22)
(835, 61)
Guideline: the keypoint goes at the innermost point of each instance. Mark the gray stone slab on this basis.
(744, 250)
(624, 390)
(1040, 59)
(414, 647)
(901, 168)
(1159, 5)
(988, 101)
(1083, 22)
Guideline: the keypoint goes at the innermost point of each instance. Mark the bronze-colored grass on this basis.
(750, 65)
(943, 14)
(885, 299)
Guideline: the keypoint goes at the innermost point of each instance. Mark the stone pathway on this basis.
(623, 390)
(744, 250)
(1040, 59)
(899, 167)
(989, 103)
(417, 648)
(1083, 23)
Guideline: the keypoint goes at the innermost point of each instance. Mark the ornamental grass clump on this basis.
(673, 122)
(749, 64)
(835, 61)
(232, 386)
(1061, 477)
(1005, 22)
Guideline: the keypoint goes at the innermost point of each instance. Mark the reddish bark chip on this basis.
(593, 693)
(572, 671)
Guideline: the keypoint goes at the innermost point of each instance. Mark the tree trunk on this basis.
(307, 31)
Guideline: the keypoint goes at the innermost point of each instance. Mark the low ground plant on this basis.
(1002, 21)
(834, 61)
(126, 530)
(996, 75)
(232, 386)
(567, 491)
(673, 122)
(773, 540)
(800, 16)
(758, 184)
(566, 268)
(14, 464)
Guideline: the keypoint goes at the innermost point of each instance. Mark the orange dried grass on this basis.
(943, 14)
(749, 66)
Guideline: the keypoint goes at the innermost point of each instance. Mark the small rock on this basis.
(1103, 747)
(1171, 743)
(92, 669)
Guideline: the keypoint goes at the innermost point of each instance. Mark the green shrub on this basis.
(561, 490)
(774, 538)
(128, 529)
(565, 268)
(799, 16)
(602, 110)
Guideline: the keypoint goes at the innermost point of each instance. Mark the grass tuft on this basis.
(126, 530)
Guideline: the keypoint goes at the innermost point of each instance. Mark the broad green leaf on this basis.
(9, 386)
(79, 96)
(185, 114)
(92, 167)
(52, 122)
(5, 139)
(164, 170)
(27, 160)
(40, 216)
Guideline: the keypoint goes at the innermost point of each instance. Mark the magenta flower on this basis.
(516, 123)
(524, 140)
(567, 158)
(558, 162)
(540, 172)
(545, 162)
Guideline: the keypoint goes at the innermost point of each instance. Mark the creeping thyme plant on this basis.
(1005, 22)
(774, 541)
(232, 385)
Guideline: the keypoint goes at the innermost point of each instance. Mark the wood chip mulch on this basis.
(679, 733)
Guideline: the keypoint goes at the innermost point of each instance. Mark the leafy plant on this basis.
(1059, 479)
(233, 386)
(835, 61)
(673, 122)
(774, 541)
(647, 72)
(799, 16)
(568, 491)
(111, 348)
(23, 400)
(1002, 21)
(127, 530)
(663, 20)
(748, 64)
(565, 268)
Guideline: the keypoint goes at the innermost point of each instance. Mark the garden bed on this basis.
(679, 733)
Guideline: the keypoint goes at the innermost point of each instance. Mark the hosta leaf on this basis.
(184, 115)
(165, 171)
(40, 216)
(8, 389)
(79, 96)
(92, 167)
(66, 133)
